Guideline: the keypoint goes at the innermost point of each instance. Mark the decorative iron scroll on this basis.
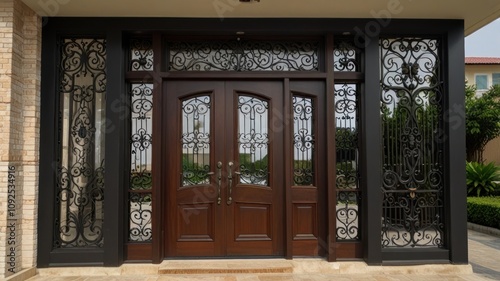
(347, 156)
(412, 122)
(303, 141)
(140, 217)
(141, 54)
(346, 57)
(196, 140)
(347, 213)
(243, 56)
(142, 135)
(141, 123)
(253, 140)
(80, 177)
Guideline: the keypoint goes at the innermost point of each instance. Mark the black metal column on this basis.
(456, 197)
(115, 151)
(48, 147)
(371, 156)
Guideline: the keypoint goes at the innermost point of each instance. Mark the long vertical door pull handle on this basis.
(219, 179)
(230, 181)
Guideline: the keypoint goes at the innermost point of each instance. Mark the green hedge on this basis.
(484, 211)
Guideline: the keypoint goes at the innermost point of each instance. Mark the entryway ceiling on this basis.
(476, 13)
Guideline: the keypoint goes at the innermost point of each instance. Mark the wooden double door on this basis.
(224, 178)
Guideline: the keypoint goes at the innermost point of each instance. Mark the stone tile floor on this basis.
(484, 256)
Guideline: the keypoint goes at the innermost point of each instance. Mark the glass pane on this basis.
(482, 82)
(253, 140)
(142, 136)
(141, 54)
(346, 57)
(496, 78)
(80, 185)
(347, 213)
(196, 140)
(412, 125)
(347, 156)
(243, 56)
(140, 228)
(303, 141)
(346, 135)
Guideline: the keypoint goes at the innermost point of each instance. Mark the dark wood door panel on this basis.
(193, 220)
(308, 190)
(230, 122)
(255, 217)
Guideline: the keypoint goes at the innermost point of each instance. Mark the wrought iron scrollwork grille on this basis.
(80, 176)
(141, 54)
(346, 57)
(253, 140)
(347, 166)
(303, 140)
(412, 123)
(195, 139)
(141, 178)
(243, 56)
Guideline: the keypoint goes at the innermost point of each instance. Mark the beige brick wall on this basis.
(20, 53)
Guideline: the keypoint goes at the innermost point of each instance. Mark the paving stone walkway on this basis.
(484, 256)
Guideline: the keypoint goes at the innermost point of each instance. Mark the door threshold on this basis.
(225, 266)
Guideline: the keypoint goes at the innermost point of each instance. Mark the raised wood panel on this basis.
(253, 222)
(138, 251)
(305, 221)
(349, 250)
(195, 222)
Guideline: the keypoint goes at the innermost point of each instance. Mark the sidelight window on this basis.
(141, 182)
(347, 66)
(80, 177)
(347, 157)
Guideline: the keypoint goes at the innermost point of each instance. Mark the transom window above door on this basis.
(242, 55)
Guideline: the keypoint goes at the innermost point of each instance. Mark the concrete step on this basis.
(231, 266)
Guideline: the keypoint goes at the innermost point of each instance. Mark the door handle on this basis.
(219, 178)
(230, 180)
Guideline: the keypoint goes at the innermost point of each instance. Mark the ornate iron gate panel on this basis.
(80, 179)
(412, 127)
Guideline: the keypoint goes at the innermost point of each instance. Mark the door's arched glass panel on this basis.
(195, 140)
(253, 140)
(303, 141)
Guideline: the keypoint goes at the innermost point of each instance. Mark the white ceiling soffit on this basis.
(476, 13)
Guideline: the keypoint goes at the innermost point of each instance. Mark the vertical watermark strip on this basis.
(11, 238)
